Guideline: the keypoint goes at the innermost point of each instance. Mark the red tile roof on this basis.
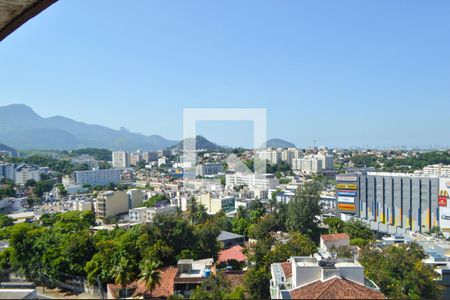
(334, 237)
(335, 288)
(234, 252)
(287, 269)
(164, 289)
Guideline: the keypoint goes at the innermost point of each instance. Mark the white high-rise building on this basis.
(287, 155)
(327, 161)
(307, 165)
(26, 172)
(120, 159)
(272, 155)
(96, 177)
(263, 181)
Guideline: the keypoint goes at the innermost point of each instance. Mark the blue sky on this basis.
(343, 73)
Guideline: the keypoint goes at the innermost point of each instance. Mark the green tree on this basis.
(357, 229)
(304, 209)
(122, 273)
(150, 275)
(335, 225)
(256, 281)
(400, 273)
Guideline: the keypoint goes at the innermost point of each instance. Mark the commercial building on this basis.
(120, 159)
(111, 203)
(208, 169)
(395, 202)
(96, 177)
(262, 181)
(304, 277)
(7, 171)
(23, 173)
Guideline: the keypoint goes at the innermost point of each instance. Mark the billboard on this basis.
(347, 193)
(346, 178)
(346, 200)
(444, 210)
(346, 186)
(346, 207)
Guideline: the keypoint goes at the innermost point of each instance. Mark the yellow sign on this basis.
(445, 229)
(343, 206)
(346, 186)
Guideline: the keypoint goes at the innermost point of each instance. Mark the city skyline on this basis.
(343, 75)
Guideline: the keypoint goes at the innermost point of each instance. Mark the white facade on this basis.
(97, 177)
(439, 169)
(26, 172)
(306, 270)
(287, 155)
(307, 165)
(272, 155)
(262, 181)
(327, 161)
(120, 159)
(146, 214)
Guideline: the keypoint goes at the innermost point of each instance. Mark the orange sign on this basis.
(343, 206)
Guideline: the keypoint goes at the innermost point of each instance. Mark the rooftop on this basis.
(233, 253)
(334, 237)
(335, 288)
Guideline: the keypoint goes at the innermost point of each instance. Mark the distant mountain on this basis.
(22, 128)
(9, 149)
(279, 143)
(201, 143)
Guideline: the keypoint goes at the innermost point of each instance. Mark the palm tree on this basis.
(150, 276)
(122, 274)
(192, 208)
(201, 215)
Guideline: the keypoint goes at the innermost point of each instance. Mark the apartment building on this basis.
(120, 159)
(96, 177)
(7, 171)
(147, 214)
(439, 170)
(287, 155)
(111, 203)
(271, 155)
(23, 173)
(208, 169)
(214, 204)
(261, 181)
(307, 165)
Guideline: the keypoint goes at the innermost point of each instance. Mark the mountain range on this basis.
(22, 128)
(279, 143)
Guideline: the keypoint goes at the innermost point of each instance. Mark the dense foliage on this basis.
(98, 154)
(400, 273)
